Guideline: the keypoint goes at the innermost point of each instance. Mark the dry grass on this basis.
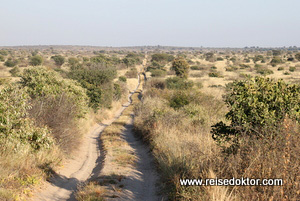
(21, 171)
(183, 147)
(164, 129)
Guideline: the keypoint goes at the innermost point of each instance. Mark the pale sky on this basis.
(208, 23)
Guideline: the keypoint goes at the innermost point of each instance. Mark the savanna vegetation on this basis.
(205, 113)
(46, 110)
(252, 130)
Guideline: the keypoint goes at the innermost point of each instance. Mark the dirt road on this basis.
(79, 168)
(141, 186)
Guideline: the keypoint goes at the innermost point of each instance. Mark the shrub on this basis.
(275, 61)
(280, 68)
(292, 69)
(257, 104)
(178, 83)
(15, 71)
(36, 60)
(97, 79)
(215, 74)
(122, 79)
(179, 99)
(231, 68)
(57, 103)
(158, 73)
(156, 83)
(15, 125)
(58, 59)
(181, 67)
(10, 62)
(258, 58)
(196, 68)
(264, 71)
(220, 59)
(162, 57)
(117, 94)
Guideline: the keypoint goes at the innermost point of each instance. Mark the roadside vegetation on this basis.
(194, 135)
(204, 114)
(45, 111)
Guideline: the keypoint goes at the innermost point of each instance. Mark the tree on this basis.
(58, 59)
(36, 60)
(181, 67)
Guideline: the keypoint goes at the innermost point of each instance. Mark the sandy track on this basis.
(140, 183)
(78, 169)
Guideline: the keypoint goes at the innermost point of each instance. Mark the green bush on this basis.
(275, 61)
(41, 82)
(58, 59)
(11, 62)
(292, 69)
(256, 106)
(158, 73)
(178, 83)
(264, 71)
(162, 57)
(122, 79)
(117, 94)
(215, 74)
(14, 123)
(97, 79)
(36, 60)
(179, 99)
(2, 58)
(196, 68)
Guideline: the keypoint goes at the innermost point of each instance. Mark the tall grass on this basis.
(183, 147)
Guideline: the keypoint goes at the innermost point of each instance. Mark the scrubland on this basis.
(203, 113)
(49, 100)
(202, 128)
